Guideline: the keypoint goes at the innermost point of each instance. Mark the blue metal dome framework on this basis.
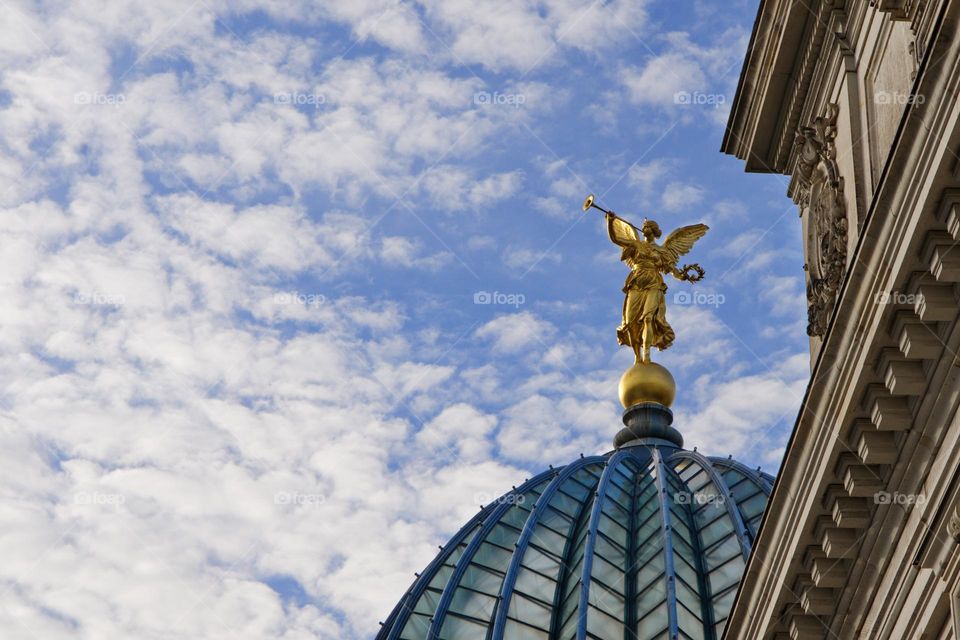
(648, 541)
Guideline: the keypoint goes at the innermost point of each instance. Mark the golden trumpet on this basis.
(589, 202)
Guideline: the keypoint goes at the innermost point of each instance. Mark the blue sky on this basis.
(250, 382)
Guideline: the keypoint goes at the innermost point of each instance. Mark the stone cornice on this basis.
(785, 50)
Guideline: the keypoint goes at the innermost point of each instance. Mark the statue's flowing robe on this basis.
(644, 289)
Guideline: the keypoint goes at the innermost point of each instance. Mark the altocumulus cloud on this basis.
(245, 389)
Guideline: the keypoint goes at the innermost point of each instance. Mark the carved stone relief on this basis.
(820, 197)
(953, 525)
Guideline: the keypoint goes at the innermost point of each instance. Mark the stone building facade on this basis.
(858, 101)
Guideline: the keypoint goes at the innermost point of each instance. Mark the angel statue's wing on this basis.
(681, 240)
(621, 232)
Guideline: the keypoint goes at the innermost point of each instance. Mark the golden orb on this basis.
(647, 382)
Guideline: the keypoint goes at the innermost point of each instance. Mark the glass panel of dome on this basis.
(556, 520)
(613, 552)
(565, 503)
(651, 596)
(689, 596)
(536, 585)
(694, 476)
(678, 520)
(492, 556)
(654, 623)
(735, 480)
(536, 560)
(682, 465)
(687, 554)
(690, 624)
(651, 565)
(646, 503)
(570, 599)
(481, 579)
(517, 515)
(617, 513)
(720, 553)
(723, 603)
(717, 529)
(581, 487)
(530, 612)
(569, 627)
(726, 575)
(743, 488)
(605, 600)
(472, 604)
(550, 539)
(610, 575)
(685, 572)
(502, 536)
(648, 527)
(518, 630)
(570, 589)
(456, 628)
(753, 506)
(621, 480)
(417, 627)
(428, 601)
(601, 625)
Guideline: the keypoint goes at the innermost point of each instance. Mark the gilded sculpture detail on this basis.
(820, 198)
(644, 317)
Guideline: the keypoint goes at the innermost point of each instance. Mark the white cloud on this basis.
(678, 195)
(688, 79)
(454, 189)
(648, 176)
(406, 252)
(524, 259)
(218, 416)
(503, 35)
(516, 331)
(462, 430)
(745, 413)
(662, 78)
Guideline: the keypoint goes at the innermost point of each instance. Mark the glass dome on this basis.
(647, 541)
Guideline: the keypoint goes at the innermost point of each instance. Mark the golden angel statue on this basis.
(644, 323)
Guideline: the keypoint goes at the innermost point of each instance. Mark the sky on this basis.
(292, 289)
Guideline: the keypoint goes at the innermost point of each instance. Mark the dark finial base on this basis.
(648, 420)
